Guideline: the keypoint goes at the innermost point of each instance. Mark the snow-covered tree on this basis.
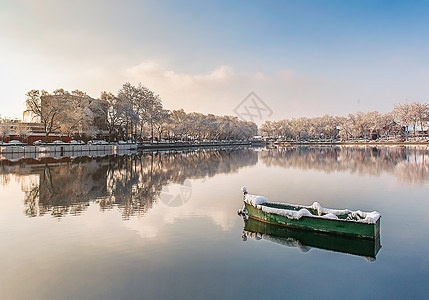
(5, 128)
(402, 114)
(76, 114)
(22, 130)
(420, 116)
(47, 108)
(111, 112)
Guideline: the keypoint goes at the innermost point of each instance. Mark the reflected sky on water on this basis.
(164, 224)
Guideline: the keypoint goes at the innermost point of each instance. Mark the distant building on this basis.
(27, 132)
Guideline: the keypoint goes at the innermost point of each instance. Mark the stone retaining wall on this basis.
(66, 148)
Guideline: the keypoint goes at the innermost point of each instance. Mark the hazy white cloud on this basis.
(287, 93)
(222, 89)
(216, 91)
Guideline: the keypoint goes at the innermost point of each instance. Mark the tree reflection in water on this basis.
(409, 164)
(132, 183)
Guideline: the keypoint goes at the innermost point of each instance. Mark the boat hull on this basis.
(284, 235)
(339, 227)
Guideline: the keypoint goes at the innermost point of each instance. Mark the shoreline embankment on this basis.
(369, 143)
(74, 150)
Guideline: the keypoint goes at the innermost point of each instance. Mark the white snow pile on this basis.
(365, 217)
(324, 213)
(290, 214)
(330, 216)
(254, 200)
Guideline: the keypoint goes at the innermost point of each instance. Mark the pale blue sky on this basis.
(303, 58)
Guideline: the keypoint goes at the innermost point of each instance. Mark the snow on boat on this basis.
(313, 218)
(305, 240)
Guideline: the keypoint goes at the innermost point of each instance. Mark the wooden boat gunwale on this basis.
(303, 206)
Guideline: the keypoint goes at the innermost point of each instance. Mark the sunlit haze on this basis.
(302, 58)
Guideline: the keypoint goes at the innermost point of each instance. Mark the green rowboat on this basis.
(305, 240)
(313, 218)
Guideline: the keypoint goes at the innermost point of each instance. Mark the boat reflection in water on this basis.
(305, 240)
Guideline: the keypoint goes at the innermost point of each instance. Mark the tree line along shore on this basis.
(136, 114)
(408, 122)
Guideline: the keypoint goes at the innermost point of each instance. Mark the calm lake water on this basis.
(164, 225)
